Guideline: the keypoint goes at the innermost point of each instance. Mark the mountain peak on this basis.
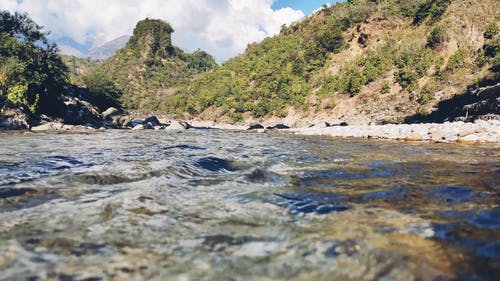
(152, 38)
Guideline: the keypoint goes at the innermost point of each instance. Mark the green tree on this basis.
(103, 93)
(29, 62)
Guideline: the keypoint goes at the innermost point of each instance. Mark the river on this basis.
(223, 205)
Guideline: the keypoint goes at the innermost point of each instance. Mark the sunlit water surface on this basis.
(218, 205)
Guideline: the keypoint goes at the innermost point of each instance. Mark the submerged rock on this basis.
(255, 127)
(278, 127)
(489, 219)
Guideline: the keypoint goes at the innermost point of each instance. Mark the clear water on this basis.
(217, 205)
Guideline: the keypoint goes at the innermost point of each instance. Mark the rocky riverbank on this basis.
(478, 132)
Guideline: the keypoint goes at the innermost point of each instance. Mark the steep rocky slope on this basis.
(360, 61)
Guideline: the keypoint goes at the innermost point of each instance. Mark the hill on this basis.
(78, 67)
(149, 68)
(359, 61)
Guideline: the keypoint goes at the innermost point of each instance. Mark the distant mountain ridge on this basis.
(71, 48)
(108, 49)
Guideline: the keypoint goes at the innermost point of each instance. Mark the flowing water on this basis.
(218, 205)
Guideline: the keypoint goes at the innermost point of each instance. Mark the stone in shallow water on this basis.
(337, 248)
(257, 249)
(220, 241)
(153, 120)
(452, 194)
(306, 203)
(215, 164)
(490, 251)
(101, 179)
(257, 175)
(184, 147)
(14, 192)
(255, 127)
(398, 193)
(326, 178)
(487, 219)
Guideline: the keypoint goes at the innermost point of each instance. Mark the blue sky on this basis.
(306, 6)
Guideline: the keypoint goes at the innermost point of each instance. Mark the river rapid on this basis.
(224, 205)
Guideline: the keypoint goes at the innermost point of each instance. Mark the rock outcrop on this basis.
(482, 103)
(13, 117)
(80, 112)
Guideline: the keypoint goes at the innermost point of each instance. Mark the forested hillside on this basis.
(149, 69)
(363, 61)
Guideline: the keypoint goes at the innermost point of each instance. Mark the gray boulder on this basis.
(178, 126)
(152, 120)
(51, 126)
(110, 112)
(121, 122)
(278, 127)
(139, 127)
(148, 126)
(255, 127)
(12, 117)
(80, 112)
(136, 122)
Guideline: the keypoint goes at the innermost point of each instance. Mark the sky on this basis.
(221, 27)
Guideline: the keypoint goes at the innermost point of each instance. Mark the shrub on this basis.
(492, 31)
(17, 95)
(356, 81)
(407, 8)
(406, 77)
(331, 40)
(427, 92)
(457, 60)
(413, 66)
(437, 37)
(386, 88)
(492, 48)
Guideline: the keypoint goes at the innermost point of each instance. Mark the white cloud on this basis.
(221, 27)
